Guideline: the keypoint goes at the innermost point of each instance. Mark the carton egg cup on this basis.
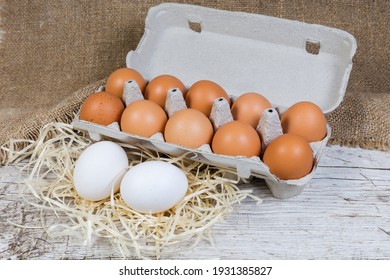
(286, 61)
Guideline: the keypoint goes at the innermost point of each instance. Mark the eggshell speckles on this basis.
(153, 186)
(236, 138)
(305, 119)
(101, 108)
(116, 81)
(189, 128)
(201, 95)
(289, 157)
(143, 118)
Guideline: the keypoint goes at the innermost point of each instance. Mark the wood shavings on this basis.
(210, 197)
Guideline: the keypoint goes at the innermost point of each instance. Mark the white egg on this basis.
(153, 186)
(99, 168)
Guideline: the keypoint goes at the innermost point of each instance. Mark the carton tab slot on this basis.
(195, 26)
(312, 47)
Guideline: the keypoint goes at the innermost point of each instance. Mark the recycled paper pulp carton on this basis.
(286, 61)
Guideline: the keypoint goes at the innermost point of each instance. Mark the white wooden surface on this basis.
(343, 214)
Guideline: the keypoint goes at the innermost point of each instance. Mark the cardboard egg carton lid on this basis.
(286, 61)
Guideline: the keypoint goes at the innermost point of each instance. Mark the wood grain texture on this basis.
(344, 213)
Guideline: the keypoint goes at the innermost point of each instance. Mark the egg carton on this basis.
(284, 60)
(269, 127)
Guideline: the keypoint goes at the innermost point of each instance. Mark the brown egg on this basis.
(249, 107)
(305, 119)
(236, 138)
(143, 118)
(201, 95)
(189, 128)
(157, 89)
(289, 157)
(102, 108)
(116, 81)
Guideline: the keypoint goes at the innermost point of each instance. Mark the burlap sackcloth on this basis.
(55, 53)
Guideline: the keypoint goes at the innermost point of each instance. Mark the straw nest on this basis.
(47, 164)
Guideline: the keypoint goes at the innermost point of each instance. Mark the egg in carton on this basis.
(285, 60)
(269, 128)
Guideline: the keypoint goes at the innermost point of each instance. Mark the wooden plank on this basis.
(337, 156)
(344, 213)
